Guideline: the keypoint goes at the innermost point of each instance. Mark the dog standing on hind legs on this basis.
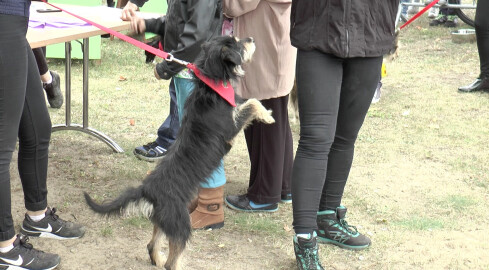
(207, 131)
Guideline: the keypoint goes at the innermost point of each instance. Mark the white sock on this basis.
(6, 249)
(37, 218)
(304, 235)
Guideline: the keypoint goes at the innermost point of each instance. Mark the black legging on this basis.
(334, 96)
(482, 33)
(40, 55)
(23, 115)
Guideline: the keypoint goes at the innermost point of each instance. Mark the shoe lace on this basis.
(53, 214)
(150, 145)
(349, 228)
(24, 242)
(311, 258)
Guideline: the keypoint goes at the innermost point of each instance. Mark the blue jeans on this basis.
(183, 89)
(405, 8)
(167, 133)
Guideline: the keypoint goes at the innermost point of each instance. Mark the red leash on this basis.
(430, 5)
(225, 90)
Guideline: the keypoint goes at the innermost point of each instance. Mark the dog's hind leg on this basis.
(176, 247)
(154, 246)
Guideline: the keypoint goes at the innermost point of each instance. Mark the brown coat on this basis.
(271, 72)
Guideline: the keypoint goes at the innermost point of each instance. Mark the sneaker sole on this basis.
(249, 210)
(46, 234)
(141, 157)
(332, 242)
(13, 267)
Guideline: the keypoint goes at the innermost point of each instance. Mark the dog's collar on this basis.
(224, 89)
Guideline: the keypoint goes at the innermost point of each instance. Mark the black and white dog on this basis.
(206, 135)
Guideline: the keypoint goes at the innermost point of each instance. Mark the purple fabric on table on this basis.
(46, 21)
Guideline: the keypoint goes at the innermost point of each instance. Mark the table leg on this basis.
(83, 128)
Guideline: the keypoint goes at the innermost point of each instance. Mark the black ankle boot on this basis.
(333, 229)
(477, 85)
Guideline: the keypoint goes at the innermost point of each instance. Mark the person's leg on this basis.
(405, 8)
(319, 78)
(34, 136)
(482, 35)
(441, 18)
(16, 62)
(167, 133)
(209, 213)
(359, 82)
(452, 19)
(13, 71)
(183, 89)
(50, 79)
(42, 65)
(269, 154)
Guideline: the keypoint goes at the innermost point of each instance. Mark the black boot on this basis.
(306, 253)
(333, 229)
(477, 85)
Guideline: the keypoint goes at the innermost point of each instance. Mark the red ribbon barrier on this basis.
(430, 5)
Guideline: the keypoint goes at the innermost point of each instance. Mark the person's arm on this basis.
(156, 26)
(195, 32)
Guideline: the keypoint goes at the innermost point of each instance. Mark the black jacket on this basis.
(186, 26)
(344, 28)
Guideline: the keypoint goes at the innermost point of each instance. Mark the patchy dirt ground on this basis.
(419, 186)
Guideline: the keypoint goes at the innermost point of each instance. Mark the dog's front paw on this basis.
(267, 117)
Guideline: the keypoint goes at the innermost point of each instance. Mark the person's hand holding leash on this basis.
(126, 12)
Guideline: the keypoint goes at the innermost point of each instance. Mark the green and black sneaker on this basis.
(306, 253)
(333, 229)
(452, 21)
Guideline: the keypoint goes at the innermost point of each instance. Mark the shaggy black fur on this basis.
(205, 136)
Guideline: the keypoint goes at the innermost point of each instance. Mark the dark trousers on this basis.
(167, 133)
(334, 95)
(482, 34)
(23, 115)
(40, 55)
(449, 11)
(271, 154)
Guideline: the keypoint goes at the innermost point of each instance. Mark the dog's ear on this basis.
(230, 55)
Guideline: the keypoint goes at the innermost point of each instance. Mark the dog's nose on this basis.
(252, 40)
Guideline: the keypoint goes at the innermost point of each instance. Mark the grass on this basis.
(418, 186)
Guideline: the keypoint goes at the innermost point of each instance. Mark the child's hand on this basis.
(126, 12)
(137, 24)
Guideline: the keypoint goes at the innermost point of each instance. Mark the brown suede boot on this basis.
(209, 213)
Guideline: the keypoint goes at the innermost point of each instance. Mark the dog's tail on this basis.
(131, 200)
